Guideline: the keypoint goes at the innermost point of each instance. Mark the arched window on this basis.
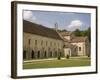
(79, 48)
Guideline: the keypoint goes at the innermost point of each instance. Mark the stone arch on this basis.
(38, 54)
(24, 54)
(45, 54)
(32, 54)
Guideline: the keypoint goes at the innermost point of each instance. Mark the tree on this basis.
(64, 30)
(87, 33)
(77, 32)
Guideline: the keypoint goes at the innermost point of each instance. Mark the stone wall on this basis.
(36, 46)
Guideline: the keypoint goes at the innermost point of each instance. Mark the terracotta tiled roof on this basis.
(37, 29)
(79, 39)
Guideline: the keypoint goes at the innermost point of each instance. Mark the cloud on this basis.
(75, 24)
(29, 16)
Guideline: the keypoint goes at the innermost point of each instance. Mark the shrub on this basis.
(67, 56)
(88, 55)
(59, 57)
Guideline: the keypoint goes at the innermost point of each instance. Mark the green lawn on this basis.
(57, 63)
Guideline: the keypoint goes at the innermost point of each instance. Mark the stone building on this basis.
(40, 42)
(75, 46)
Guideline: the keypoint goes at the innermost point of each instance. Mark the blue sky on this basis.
(65, 20)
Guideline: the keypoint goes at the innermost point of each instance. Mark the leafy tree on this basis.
(87, 33)
(64, 30)
(77, 32)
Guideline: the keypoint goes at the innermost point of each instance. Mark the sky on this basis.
(65, 20)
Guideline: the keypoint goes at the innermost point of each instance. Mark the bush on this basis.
(88, 55)
(67, 56)
(59, 57)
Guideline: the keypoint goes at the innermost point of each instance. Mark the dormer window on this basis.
(35, 42)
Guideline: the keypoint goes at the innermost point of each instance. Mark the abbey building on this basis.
(40, 42)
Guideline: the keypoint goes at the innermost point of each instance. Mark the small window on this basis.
(29, 41)
(35, 42)
(79, 48)
(42, 42)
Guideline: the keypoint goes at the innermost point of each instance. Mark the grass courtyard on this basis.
(54, 63)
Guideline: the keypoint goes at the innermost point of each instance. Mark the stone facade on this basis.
(40, 42)
(36, 46)
(75, 46)
(43, 45)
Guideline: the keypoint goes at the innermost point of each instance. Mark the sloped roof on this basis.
(37, 29)
(79, 39)
(66, 40)
(68, 45)
(74, 39)
(65, 33)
